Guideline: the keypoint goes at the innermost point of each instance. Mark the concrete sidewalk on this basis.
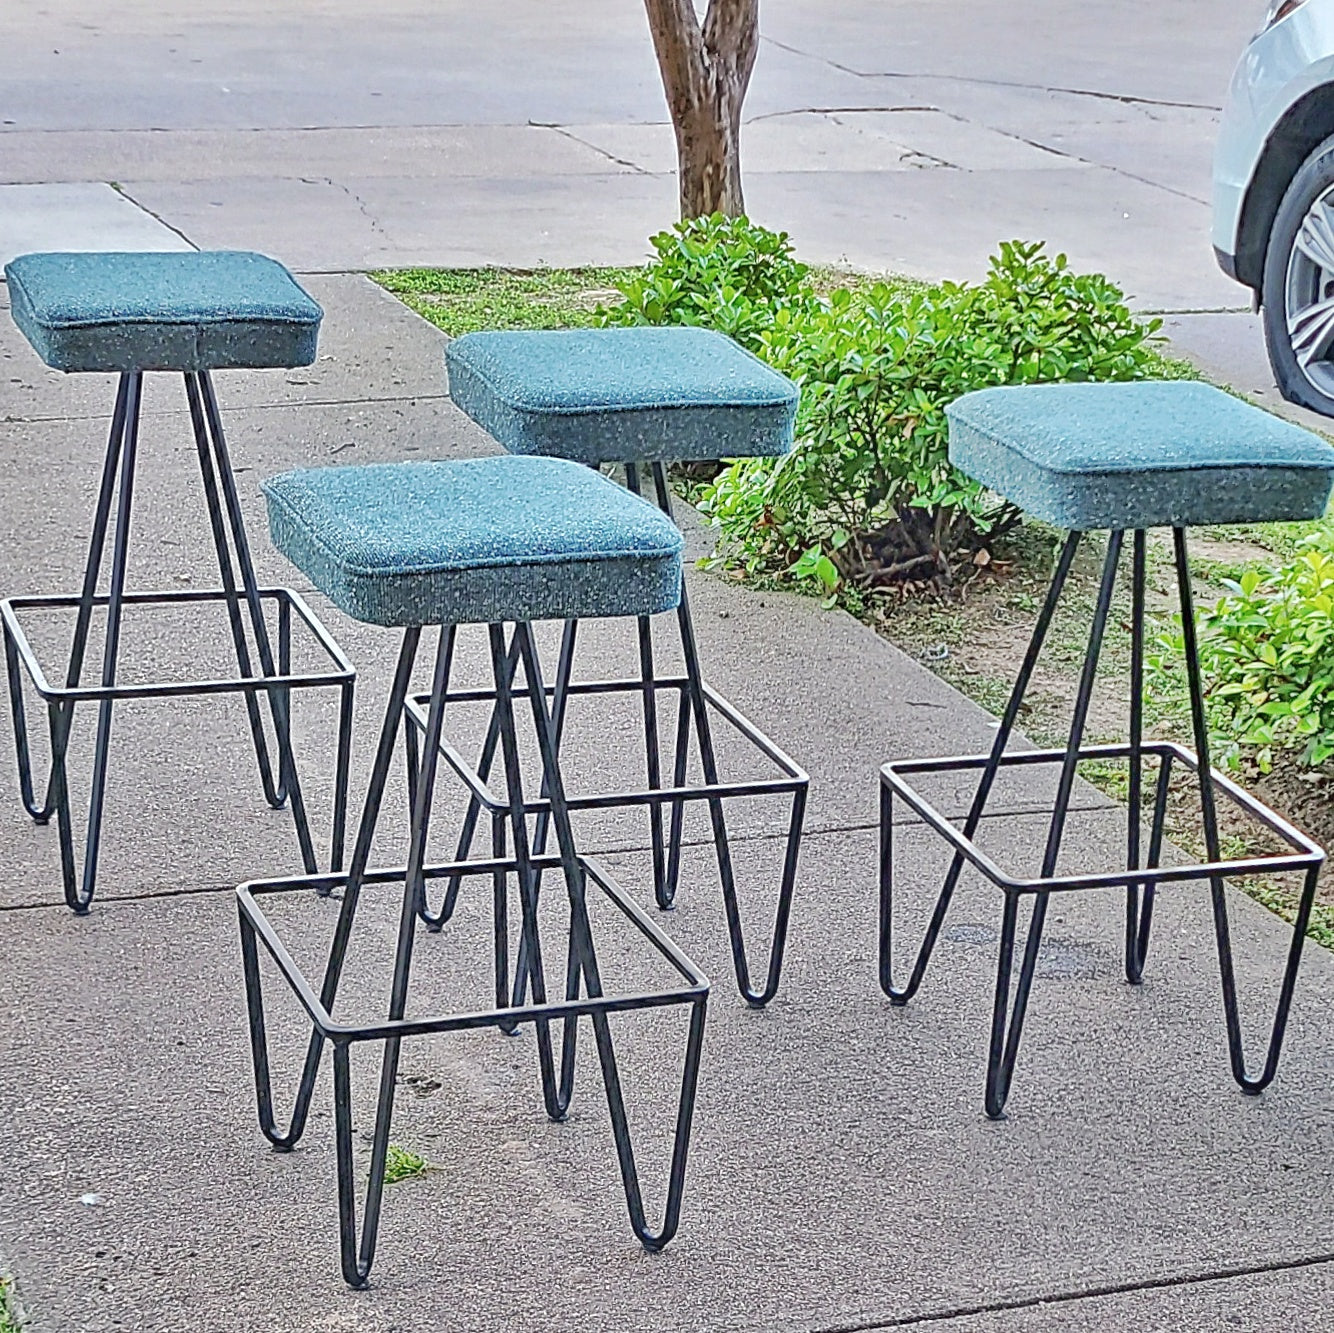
(842, 1175)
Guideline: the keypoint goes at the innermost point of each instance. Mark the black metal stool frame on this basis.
(1143, 874)
(239, 585)
(582, 973)
(696, 701)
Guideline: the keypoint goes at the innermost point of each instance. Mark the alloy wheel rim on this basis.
(1309, 295)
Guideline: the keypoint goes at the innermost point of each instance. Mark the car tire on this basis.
(1309, 385)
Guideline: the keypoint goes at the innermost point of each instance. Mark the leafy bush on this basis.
(1267, 656)
(719, 272)
(869, 496)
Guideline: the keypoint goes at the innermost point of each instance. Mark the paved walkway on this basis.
(843, 1176)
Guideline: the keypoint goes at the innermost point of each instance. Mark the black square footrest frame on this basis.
(696, 703)
(1141, 884)
(583, 998)
(276, 680)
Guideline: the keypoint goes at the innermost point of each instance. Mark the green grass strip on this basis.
(467, 300)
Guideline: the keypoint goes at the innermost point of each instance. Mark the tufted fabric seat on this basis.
(209, 310)
(482, 540)
(639, 395)
(1133, 456)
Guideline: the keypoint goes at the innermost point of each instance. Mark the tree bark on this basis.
(705, 73)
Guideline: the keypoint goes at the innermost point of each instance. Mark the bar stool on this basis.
(486, 541)
(193, 313)
(640, 398)
(1122, 458)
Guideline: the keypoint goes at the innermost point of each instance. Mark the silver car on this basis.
(1273, 212)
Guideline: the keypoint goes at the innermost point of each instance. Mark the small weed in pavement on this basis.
(400, 1164)
(9, 1320)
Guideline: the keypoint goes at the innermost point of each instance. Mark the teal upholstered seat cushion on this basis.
(481, 540)
(189, 311)
(622, 395)
(1147, 455)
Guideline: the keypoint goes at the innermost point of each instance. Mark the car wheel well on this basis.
(1304, 127)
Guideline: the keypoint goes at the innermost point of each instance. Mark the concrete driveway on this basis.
(889, 134)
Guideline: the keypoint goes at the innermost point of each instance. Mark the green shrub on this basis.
(719, 272)
(869, 493)
(1267, 657)
(869, 496)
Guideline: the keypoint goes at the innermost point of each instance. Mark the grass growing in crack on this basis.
(9, 1319)
(400, 1164)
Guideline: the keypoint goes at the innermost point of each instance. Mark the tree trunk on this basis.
(705, 73)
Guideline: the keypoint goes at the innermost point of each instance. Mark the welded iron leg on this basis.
(662, 894)
(560, 696)
(79, 887)
(666, 889)
(582, 945)
(1138, 927)
(342, 767)
(500, 917)
(1004, 1045)
(676, 827)
(1249, 1084)
(128, 390)
(755, 996)
(232, 600)
(1139, 897)
(284, 1140)
(357, 1256)
(902, 995)
(468, 830)
(279, 697)
(530, 967)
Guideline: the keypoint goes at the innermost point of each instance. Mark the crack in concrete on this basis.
(1087, 161)
(583, 143)
(622, 849)
(362, 206)
(995, 129)
(157, 217)
(1224, 1274)
(839, 111)
(1125, 99)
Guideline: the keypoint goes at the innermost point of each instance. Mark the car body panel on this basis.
(1276, 71)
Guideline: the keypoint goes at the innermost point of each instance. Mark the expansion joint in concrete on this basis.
(1222, 1274)
(1125, 99)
